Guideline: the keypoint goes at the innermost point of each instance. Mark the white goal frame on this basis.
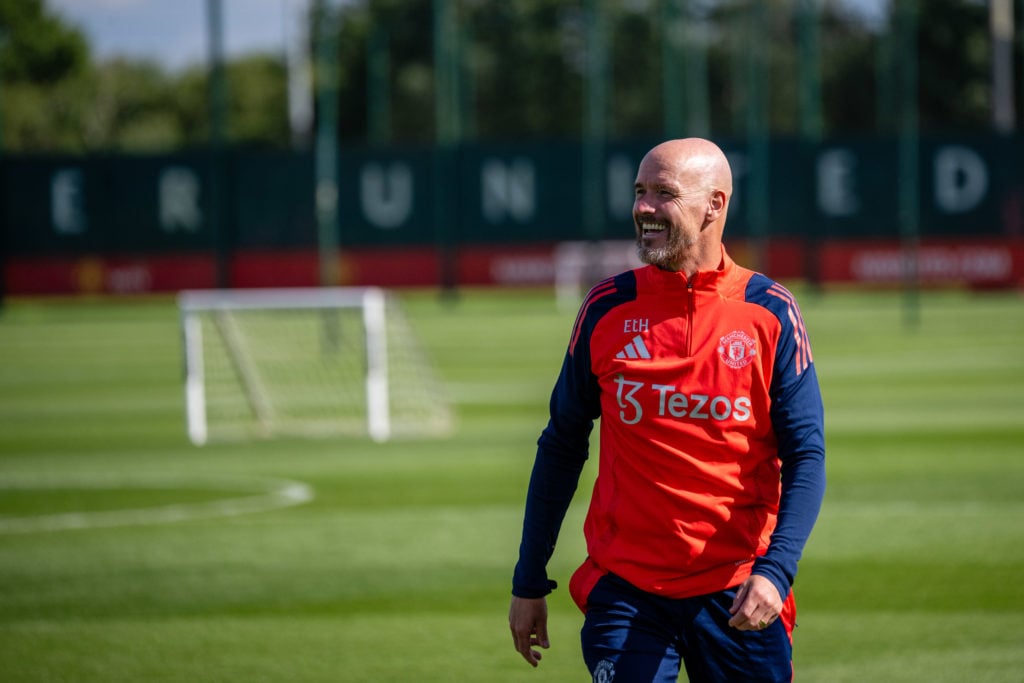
(371, 300)
(581, 265)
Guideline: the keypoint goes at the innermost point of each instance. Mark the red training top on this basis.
(711, 419)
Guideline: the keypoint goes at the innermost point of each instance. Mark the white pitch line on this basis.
(275, 494)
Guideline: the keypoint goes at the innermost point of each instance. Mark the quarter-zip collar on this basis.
(702, 281)
(674, 285)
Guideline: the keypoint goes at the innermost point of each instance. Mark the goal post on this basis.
(581, 265)
(304, 362)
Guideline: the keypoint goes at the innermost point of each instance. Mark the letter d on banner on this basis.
(961, 179)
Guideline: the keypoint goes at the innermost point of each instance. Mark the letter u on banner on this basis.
(386, 194)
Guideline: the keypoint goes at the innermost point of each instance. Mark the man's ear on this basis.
(716, 204)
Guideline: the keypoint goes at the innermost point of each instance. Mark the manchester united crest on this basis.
(737, 349)
(604, 672)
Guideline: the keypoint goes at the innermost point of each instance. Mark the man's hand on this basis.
(528, 619)
(757, 604)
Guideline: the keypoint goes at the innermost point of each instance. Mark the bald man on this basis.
(711, 470)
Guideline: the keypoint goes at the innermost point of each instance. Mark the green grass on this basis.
(399, 568)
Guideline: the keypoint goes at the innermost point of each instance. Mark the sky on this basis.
(173, 32)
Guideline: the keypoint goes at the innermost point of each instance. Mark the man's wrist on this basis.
(533, 592)
(779, 580)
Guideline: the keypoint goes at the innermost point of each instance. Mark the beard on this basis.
(669, 255)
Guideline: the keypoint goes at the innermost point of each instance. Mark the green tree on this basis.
(849, 74)
(37, 46)
(523, 75)
(528, 69)
(44, 67)
(55, 98)
(257, 103)
(132, 109)
(954, 65)
(524, 66)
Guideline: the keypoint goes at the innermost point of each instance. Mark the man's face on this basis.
(668, 213)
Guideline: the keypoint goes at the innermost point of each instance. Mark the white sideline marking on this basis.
(273, 494)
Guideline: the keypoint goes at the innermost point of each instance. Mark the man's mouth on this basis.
(647, 229)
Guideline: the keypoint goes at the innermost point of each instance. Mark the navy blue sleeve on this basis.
(562, 450)
(798, 420)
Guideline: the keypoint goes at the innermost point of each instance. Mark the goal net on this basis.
(305, 362)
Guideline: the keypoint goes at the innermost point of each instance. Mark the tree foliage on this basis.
(522, 74)
(56, 98)
(43, 64)
(955, 64)
(524, 65)
(37, 46)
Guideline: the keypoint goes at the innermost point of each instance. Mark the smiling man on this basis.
(682, 195)
(711, 471)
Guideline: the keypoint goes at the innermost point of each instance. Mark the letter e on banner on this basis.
(66, 202)
(836, 192)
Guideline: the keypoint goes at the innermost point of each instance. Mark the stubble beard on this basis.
(669, 256)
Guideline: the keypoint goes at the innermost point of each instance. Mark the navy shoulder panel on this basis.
(603, 297)
(764, 291)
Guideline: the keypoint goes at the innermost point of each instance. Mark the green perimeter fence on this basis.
(966, 186)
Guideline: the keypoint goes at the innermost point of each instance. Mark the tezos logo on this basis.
(737, 349)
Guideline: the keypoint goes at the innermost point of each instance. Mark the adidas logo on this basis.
(634, 349)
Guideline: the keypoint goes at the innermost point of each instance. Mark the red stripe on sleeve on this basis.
(800, 337)
(600, 290)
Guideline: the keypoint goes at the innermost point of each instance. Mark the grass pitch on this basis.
(398, 569)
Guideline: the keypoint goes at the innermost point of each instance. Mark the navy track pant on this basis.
(631, 636)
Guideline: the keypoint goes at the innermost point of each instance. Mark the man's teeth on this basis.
(652, 227)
